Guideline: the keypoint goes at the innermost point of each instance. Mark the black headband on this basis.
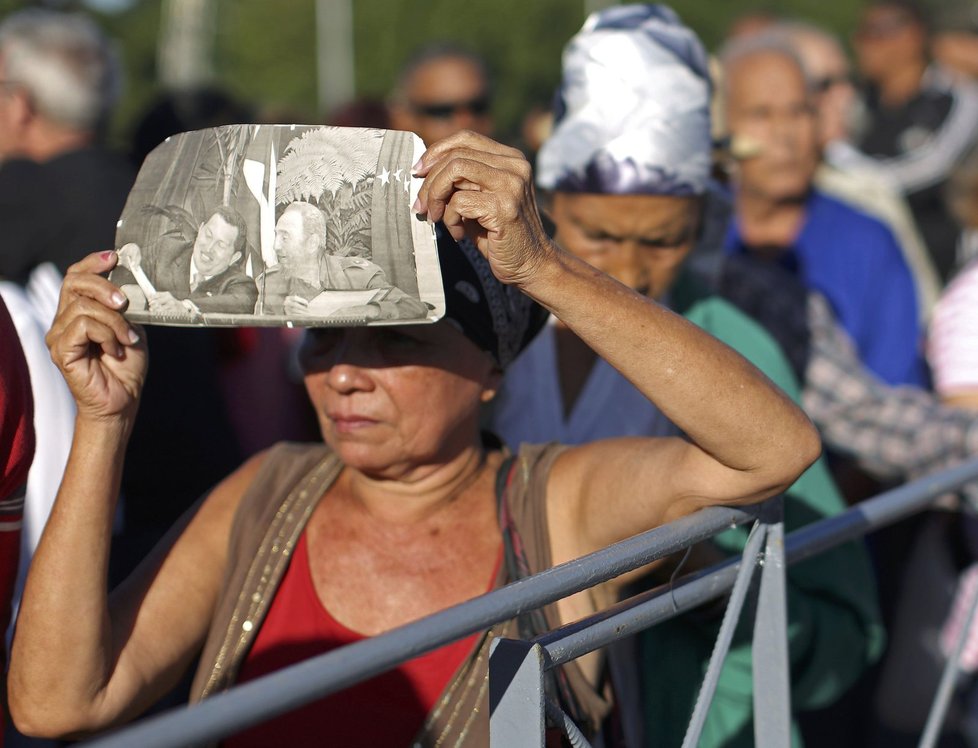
(499, 319)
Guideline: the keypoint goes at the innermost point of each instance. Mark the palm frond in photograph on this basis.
(325, 159)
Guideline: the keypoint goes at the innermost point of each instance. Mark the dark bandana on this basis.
(499, 319)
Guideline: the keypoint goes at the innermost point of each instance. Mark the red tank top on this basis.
(387, 710)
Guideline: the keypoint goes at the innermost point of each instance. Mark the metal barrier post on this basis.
(738, 595)
(770, 663)
(516, 694)
(945, 690)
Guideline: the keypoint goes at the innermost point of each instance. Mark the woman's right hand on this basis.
(101, 356)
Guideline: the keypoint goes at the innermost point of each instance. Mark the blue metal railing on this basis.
(260, 700)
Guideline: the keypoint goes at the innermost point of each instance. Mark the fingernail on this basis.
(417, 165)
(133, 337)
(107, 255)
(118, 299)
(417, 205)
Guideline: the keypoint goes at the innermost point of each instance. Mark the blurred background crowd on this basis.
(843, 218)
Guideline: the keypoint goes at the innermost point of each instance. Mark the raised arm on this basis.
(81, 662)
(746, 439)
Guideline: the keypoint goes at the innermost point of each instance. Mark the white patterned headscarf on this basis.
(632, 112)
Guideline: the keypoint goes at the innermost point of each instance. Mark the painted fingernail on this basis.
(107, 255)
(118, 299)
(133, 337)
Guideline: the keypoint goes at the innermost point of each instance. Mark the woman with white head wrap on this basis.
(619, 130)
(626, 170)
(626, 165)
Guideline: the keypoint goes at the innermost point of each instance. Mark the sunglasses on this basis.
(823, 85)
(478, 106)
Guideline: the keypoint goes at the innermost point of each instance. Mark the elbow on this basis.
(810, 446)
(30, 726)
(798, 453)
(30, 719)
(43, 725)
(36, 716)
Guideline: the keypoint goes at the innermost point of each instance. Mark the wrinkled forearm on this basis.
(723, 403)
(61, 657)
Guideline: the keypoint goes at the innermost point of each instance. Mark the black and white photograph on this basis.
(263, 225)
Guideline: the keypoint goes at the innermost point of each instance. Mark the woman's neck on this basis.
(421, 493)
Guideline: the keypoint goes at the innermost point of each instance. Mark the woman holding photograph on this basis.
(397, 516)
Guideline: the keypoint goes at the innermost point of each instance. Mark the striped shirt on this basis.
(953, 343)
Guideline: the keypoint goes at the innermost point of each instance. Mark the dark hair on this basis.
(441, 50)
(362, 112)
(232, 218)
(183, 110)
(498, 318)
(911, 8)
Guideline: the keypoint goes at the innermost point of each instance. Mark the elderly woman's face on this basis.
(390, 399)
(640, 240)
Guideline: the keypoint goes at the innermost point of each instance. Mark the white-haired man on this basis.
(60, 193)
(848, 256)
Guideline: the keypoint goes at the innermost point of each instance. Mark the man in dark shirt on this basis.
(60, 193)
(919, 121)
(192, 278)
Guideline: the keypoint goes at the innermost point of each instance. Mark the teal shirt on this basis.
(834, 628)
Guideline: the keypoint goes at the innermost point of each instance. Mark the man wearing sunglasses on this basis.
(442, 88)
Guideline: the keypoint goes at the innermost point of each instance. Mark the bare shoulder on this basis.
(605, 491)
(610, 463)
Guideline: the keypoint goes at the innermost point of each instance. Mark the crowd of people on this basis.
(693, 275)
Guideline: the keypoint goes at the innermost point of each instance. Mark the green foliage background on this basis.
(265, 51)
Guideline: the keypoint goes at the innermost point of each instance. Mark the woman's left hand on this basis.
(483, 190)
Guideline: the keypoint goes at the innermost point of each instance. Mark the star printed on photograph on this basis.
(384, 177)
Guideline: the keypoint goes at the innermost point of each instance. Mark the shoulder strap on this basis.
(530, 623)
